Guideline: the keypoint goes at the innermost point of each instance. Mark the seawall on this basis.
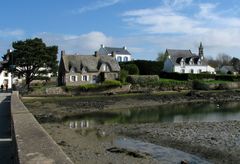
(34, 145)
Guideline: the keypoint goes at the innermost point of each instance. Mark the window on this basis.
(104, 67)
(183, 70)
(73, 78)
(199, 62)
(119, 58)
(182, 63)
(5, 74)
(84, 78)
(192, 71)
(94, 77)
(199, 70)
(125, 58)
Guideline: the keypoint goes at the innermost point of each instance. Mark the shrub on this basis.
(131, 68)
(199, 85)
(142, 80)
(111, 83)
(123, 76)
(228, 77)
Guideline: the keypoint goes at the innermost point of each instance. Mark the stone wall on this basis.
(34, 144)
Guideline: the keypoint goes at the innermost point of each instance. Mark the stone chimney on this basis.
(102, 46)
(113, 54)
(124, 47)
(96, 54)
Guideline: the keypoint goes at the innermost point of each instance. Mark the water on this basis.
(193, 112)
(163, 154)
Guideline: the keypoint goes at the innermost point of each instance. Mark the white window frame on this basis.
(76, 78)
(119, 58)
(86, 77)
(125, 59)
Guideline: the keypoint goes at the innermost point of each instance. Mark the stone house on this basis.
(184, 61)
(228, 70)
(86, 69)
(121, 54)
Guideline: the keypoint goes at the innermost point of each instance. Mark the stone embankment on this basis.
(33, 142)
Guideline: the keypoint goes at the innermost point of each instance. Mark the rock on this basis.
(184, 162)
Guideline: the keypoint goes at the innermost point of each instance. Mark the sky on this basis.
(145, 27)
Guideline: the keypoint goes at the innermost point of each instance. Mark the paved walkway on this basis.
(6, 145)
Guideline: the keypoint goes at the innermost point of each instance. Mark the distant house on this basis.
(5, 76)
(86, 69)
(184, 61)
(228, 70)
(121, 54)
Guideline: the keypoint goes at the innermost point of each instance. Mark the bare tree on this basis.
(223, 59)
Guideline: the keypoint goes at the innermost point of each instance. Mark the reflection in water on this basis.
(79, 124)
(193, 112)
(163, 154)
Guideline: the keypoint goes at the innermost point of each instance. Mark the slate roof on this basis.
(122, 51)
(90, 62)
(186, 55)
(228, 68)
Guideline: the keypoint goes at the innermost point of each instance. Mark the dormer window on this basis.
(73, 69)
(191, 62)
(199, 62)
(105, 68)
(182, 63)
(84, 70)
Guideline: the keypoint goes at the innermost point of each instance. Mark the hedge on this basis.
(142, 80)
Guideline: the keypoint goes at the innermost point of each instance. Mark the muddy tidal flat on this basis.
(213, 142)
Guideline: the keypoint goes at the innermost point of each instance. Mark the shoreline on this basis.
(218, 142)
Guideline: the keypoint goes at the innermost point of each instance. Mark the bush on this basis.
(123, 76)
(142, 80)
(227, 77)
(145, 67)
(131, 68)
(199, 85)
(111, 83)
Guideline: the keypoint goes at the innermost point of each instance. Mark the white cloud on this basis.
(95, 6)
(177, 3)
(168, 27)
(82, 44)
(11, 33)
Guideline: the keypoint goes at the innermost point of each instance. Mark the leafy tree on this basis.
(161, 57)
(32, 59)
(235, 63)
(131, 68)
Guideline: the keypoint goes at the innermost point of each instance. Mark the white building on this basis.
(5, 77)
(184, 61)
(121, 54)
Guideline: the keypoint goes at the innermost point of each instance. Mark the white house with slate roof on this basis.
(184, 61)
(121, 54)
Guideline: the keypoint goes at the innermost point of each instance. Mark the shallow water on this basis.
(163, 154)
(191, 112)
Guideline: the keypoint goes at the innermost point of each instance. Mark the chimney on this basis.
(124, 47)
(62, 52)
(96, 54)
(102, 46)
(113, 54)
(9, 51)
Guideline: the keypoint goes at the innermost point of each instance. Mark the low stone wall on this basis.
(33, 142)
